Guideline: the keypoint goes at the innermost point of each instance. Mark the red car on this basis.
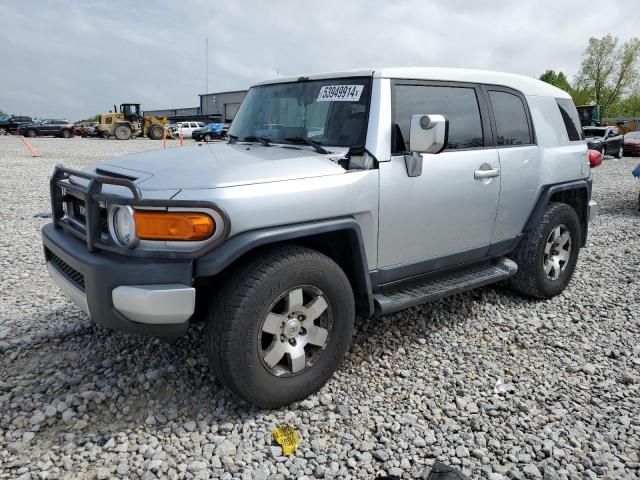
(632, 144)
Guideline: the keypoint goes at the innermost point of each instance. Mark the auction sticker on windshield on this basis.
(340, 93)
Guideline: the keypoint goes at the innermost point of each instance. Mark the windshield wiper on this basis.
(264, 141)
(316, 146)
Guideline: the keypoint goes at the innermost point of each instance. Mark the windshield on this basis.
(594, 132)
(632, 135)
(329, 112)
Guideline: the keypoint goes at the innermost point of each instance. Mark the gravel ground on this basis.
(77, 401)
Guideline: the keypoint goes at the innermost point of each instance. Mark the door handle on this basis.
(482, 174)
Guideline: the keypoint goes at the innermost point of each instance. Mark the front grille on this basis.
(78, 213)
(67, 270)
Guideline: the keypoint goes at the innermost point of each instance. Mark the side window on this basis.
(511, 119)
(458, 104)
(571, 118)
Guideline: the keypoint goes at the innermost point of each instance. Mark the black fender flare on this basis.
(238, 245)
(550, 190)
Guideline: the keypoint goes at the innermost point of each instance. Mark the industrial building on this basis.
(223, 105)
(214, 107)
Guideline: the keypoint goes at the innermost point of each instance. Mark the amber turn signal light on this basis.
(173, 225)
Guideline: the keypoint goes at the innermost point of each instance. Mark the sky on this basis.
(66, 59)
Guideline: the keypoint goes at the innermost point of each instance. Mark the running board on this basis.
(430, 289)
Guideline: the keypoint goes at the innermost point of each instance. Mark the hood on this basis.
(218, 165)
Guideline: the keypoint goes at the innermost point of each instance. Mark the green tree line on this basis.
(609, 76)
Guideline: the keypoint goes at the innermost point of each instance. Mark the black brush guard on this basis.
(92, 195)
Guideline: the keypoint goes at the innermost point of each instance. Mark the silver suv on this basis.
(336, 195)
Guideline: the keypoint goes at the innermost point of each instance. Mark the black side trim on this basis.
(386, 277)
(504, 247)
(550, 190)
(236, 246)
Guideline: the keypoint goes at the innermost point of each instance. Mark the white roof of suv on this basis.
(522, 83)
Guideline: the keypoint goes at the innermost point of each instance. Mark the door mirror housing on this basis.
(428, 133)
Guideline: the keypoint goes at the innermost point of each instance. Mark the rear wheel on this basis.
(280, 325)
(547, 255)
(3, 131)
(207, 137)
(31, 133)
(66, 134)
(154, 132)
(620, 152)
(122, 132)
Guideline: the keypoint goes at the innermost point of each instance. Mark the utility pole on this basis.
(206, 63)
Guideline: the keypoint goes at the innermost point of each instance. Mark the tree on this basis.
(95, 118)
(608, 70)
(556, 79)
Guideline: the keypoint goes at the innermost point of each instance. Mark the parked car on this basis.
(636, 173)
(186, 128)
(632, 144)
(607, 140)
(209, 132)
(86, 129)
(48, 127)
(10, 123)
(280, 240)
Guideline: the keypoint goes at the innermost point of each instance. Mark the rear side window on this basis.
(511, 119)
(571, 118)
(458, 104)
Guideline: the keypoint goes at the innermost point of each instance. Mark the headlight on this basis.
(122, 226)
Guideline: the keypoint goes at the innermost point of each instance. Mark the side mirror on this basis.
(428, 134)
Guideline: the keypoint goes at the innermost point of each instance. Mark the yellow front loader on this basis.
(128, 122)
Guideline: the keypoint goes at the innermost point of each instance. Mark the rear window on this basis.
(511, 119)
(571, 118)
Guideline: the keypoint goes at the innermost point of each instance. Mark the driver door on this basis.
(446, 215)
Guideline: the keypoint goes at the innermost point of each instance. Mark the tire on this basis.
(32, 133)
(66, 134)
(3, 131)
(122, 132)
(532, 279)
(154, 132)
(269, 286)
(620, 152)
(207, 138)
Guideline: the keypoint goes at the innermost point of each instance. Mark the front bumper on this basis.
(149, 296)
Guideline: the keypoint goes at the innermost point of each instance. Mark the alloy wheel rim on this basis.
(295, 331)
(557, 252)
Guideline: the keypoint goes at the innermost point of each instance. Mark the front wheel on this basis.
(620, 152)
(548, 253)
(122, 132)
(3, 131)
(280, 325)
(155, 132)
(207, 137)
(66, 134)
(32, 133)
